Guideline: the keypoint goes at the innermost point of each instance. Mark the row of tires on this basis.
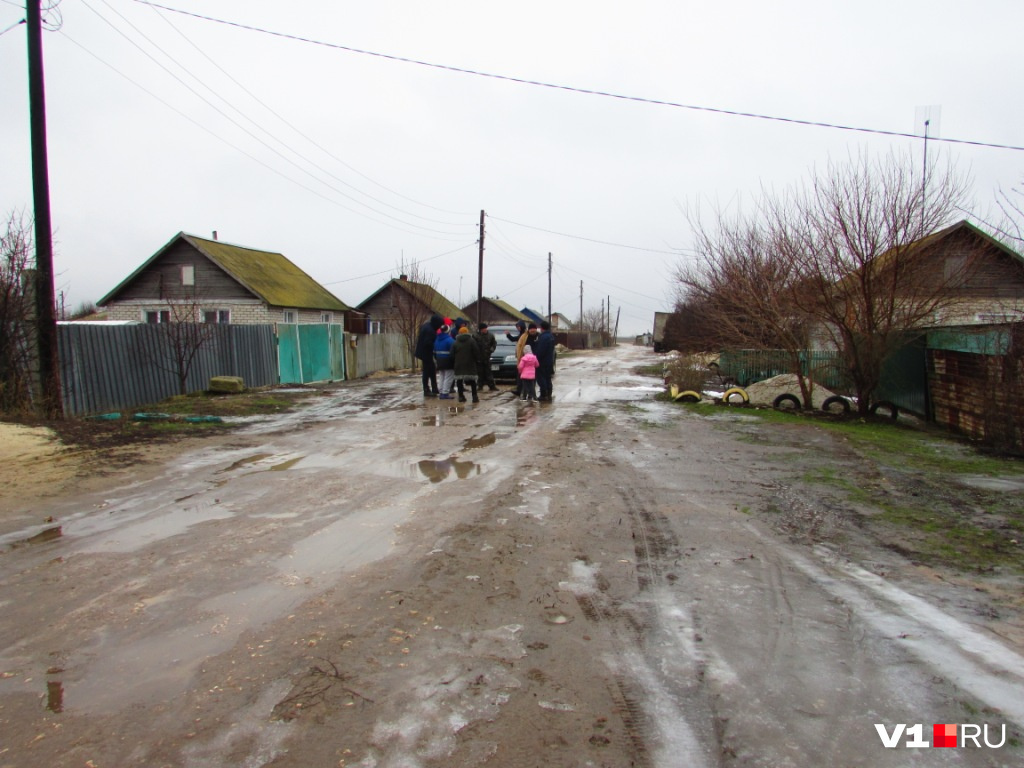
(789, 402)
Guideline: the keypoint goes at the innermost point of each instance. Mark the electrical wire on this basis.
(389, 271)
(242, 151)
(586, 91)
(309, 139)
(587, 239)
(15, 24)
(246, 130)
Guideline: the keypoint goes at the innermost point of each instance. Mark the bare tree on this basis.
(745, 290)
(411, 304)
(593, 321)
(859, 235)
(16, 313)
(846, 260)
(182, 334)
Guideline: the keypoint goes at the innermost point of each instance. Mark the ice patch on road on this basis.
(973, 661)
(463, 682)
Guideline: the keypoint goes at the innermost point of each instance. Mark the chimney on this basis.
(403, 277)
(215, 234)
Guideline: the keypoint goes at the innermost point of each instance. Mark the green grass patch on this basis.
(252, 403)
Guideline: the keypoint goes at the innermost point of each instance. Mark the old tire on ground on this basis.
(842, 402)
(885, 406)
(728, 394)
(687, 396)
(780, 403)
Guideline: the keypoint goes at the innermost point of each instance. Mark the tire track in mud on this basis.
(666, 717)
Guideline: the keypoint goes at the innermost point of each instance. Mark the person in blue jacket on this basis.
(445, 364)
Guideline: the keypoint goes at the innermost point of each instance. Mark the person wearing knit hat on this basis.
(466, 357)
(528, 374)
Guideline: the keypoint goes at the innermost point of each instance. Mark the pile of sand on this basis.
(765, 392)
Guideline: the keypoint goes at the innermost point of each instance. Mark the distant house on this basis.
(990, 289)
(560, 322)
(402, 306)
(494, 312)
(533, 314)
(215, 282)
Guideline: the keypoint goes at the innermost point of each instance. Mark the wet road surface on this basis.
(380, 580)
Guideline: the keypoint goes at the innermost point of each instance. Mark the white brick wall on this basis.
(242, 313)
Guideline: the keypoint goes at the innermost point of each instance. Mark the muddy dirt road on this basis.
(384, 582)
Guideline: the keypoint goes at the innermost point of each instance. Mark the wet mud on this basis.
(384, 580)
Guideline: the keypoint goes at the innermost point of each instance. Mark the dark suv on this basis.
(503, 359)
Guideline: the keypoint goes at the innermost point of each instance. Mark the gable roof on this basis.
(504, 306)
(533, 315)
(421, 292)
(269, 276)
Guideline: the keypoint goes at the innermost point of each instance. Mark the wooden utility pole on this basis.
(549, 287)
(480, 274)
(46, 325)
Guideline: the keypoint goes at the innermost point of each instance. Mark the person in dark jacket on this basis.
(466, 357)
(544, 349)
(425, 354)
(487, 343)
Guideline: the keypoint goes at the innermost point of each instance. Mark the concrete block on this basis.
(227, 384)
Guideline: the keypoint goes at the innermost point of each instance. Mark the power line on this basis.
(585, 91)
(388, 271)
(580, 237)
(242, 127)
(309, 139)
(242, 151)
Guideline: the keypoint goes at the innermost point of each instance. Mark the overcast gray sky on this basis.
(349, 163)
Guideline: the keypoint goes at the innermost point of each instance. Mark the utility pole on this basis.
(46, 326)
(580, 329)
(549, 287)
(480, 274)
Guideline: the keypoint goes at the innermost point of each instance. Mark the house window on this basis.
(290, 316)
(326, 317)
(155, 316)
(221, 316)
(188, 274)
(375, 326)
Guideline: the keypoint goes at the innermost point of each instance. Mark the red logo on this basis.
(944, 735)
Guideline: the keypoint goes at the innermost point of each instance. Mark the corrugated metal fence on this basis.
(112, 367)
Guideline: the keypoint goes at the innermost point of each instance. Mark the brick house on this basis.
(195, 279)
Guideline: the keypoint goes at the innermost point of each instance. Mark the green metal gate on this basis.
(310, 352)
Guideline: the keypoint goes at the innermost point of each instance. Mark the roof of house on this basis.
(532, 314)
(270, 276)
(504, 306)
(425, 294)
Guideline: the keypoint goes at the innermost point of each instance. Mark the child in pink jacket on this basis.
(528, 373)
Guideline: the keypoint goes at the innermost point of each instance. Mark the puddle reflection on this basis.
(479, 442)
(439, 471)
(55, 696)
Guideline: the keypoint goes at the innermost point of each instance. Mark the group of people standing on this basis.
(452, 356)
(535, 355)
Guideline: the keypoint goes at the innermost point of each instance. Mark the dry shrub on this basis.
(686, 372)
